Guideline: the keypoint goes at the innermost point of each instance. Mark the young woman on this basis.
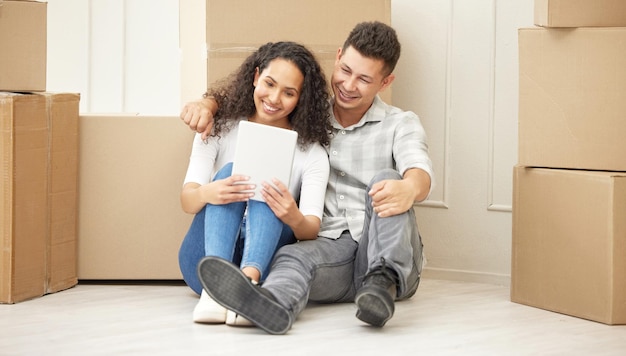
(282, 85)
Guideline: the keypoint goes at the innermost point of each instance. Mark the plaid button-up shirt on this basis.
(386, 137)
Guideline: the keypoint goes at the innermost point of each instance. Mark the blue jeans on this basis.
(329, 271)
(248, 239)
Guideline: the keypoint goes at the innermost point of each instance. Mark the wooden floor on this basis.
(443, 318)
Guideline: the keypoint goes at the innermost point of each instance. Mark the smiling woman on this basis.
(279, 85)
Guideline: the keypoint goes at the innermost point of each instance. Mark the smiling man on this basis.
(369, 250)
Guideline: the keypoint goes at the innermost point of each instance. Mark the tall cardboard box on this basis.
(23, 45)
(580, 13)
(131, 223)
(217, 35)
(63, 110)
(569, 242)
(38, 216)
(572, 98)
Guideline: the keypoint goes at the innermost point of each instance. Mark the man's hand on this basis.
(393, 197)
(198, 115)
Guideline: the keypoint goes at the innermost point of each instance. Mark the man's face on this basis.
(357, 80)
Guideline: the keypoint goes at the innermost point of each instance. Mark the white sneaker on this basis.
(208, 311)
(234, 319)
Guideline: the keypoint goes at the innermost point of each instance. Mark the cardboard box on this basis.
(23, 45)
(580, 13)
(62, 190)
(569, 242)
(131, 174)
(39, 194)
(572, 98)
(217, 35)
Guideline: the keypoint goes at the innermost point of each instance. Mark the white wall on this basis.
(121, 55)
(458, 72)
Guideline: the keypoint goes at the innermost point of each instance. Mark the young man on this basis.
(369, 249)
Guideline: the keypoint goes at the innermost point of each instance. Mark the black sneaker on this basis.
(228, 286)
(375, 299)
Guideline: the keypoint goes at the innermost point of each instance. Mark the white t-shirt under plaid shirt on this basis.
(386, 137)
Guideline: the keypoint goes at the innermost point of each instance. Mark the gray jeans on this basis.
(331, 271)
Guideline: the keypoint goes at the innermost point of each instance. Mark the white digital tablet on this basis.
(264, 152)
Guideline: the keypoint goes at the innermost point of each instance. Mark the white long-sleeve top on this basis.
(309, 172)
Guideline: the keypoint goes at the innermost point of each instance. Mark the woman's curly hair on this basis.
(311, 116)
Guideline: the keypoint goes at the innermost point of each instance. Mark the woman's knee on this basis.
(224, 172)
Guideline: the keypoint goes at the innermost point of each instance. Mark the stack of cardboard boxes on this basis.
(39, 159)
(569, 194)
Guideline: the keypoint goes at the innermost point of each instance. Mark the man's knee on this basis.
(384, 175)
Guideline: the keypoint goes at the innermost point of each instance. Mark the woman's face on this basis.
(276, 92)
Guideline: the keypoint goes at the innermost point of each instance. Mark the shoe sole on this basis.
(228, 286)
(209, 319)
(373, 308)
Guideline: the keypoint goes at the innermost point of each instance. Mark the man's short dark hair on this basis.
(375, 40)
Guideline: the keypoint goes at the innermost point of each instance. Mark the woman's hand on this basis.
(226, 191)
(283, 204)
(195, 196)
